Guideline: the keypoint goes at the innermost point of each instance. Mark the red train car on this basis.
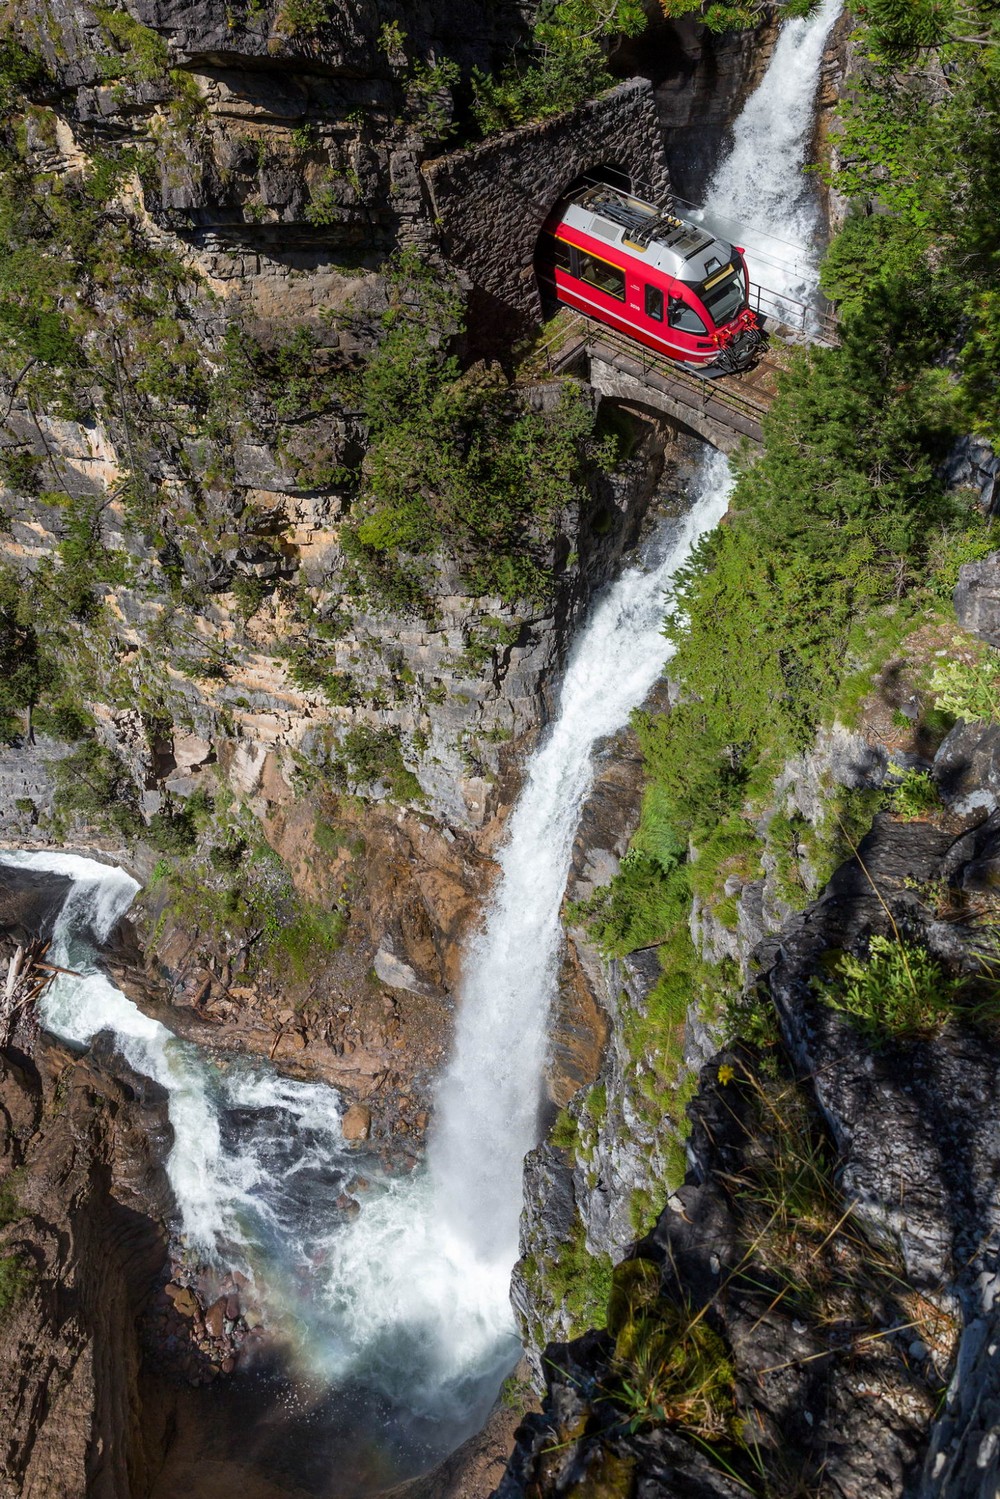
(670, 284)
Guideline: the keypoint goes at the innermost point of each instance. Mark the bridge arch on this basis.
(491, 201)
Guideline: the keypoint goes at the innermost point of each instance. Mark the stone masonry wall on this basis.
(490, 202)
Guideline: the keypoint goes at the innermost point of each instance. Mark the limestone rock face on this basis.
(700, 81)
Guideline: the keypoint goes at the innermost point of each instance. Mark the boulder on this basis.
(215, 1318)
(356, 1123)
(967, 769)
(396, 973)
(183, 1299)
(977, 598)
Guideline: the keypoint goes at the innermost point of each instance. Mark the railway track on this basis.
(738, 401)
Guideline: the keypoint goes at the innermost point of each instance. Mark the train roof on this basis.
(680, 249)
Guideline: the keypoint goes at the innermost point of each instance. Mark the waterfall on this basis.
(759, 195)
(234, 1189)
(488, 1099)
(430, 1265)
(410, 1299)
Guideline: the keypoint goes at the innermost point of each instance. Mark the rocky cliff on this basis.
(82, 1202)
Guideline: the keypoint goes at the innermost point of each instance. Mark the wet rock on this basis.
(30, 902)
(356, 1123)
(215, 1318)
(184, 1300)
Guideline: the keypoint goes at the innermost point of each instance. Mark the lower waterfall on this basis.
(410, 1299)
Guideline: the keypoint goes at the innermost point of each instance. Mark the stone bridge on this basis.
(490, 202)
(725, 412)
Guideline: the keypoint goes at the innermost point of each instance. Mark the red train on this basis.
(668, 283)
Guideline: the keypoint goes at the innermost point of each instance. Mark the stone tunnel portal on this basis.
(490, 202)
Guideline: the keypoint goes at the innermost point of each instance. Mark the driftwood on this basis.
(28, 974)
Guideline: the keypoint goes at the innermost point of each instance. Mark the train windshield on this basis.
(723, 295)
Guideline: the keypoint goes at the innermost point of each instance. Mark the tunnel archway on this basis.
(604, 172)
(490, 202)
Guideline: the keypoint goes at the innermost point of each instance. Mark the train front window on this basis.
(723, 298)
(684, 318)
(607, 278)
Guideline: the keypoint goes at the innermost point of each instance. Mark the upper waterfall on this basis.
(759, 194)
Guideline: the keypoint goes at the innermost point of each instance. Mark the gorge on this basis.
(453, 844)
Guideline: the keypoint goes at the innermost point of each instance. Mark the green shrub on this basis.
(21, 73)
(95, 783)
(367, 755)
(899, 990)
(565, 67)
(10, 1205)
(302, 17)
(227, 857)
(26, 669)
(565, 1132)
(174, 830)
(581, 1282)
(17, 1277)
(144, 57)
(969, 690)
(324, 207)
(670, 1366)
(914, 795)
(316, 671)
(309, 934)
(458, 463)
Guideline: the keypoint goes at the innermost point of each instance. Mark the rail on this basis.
(735, 402)
(725, 391)
(800, 320)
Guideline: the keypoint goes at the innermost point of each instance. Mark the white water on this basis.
(225, 1187)
(759, 195)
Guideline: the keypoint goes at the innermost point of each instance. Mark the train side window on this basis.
(561, 255)
(684, 317)
(607, 278)
(654, 303)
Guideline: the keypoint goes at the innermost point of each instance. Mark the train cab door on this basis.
(688, 331)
